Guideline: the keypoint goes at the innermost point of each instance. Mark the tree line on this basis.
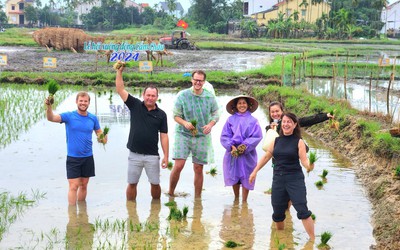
(347, 18)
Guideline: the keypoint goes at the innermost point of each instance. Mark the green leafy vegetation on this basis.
(231, 244)
(312, 157)
(175, 213)
(325, 237)
(313, 217)
(213, 171)
(170, 165)
(319, 184)
(52, 88)
(397, 171)
(324, 173)
(13, 207)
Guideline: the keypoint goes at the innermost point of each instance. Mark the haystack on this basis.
(64, 38)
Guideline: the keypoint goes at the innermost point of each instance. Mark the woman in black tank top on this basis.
(288, 178)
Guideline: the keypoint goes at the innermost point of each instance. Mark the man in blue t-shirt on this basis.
(79, 126)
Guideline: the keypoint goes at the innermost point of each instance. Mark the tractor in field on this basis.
(178, 40)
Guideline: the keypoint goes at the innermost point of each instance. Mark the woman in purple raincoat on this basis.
(240, 137)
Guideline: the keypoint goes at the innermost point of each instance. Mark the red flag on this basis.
(182, 24)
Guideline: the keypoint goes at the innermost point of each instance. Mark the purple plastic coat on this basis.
(240, 129)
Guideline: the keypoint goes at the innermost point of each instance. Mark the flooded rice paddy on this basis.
(35, 160)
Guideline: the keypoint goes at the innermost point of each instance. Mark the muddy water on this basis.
(37, 161)
(359, 96)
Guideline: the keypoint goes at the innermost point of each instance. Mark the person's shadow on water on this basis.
(238, 225)
(189, 233)
(80, 232)
(144, 235)
(283, 239)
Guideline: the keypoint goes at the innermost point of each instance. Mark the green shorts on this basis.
(186, 144)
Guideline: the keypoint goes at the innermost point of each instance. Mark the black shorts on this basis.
(80, 167)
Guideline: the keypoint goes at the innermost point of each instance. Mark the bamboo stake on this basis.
(294, 72)
(333, 79)
(370, 93)
(345, 81)
(304, 64)
(388, 94)
(301, 66)
(283, 69)
(312, 77)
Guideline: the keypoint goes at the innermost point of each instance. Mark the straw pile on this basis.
(63, 38)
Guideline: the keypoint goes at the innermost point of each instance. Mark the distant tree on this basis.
(249, 28)
(171, 4)
(3, 17)
(31, 14)
(206, 13)
(148, 16)
(38, 3)
(134, 15)
(47, 17)
(232, 11)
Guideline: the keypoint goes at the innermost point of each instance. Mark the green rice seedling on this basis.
(313, 157)
(194, 131)
(212, 172)
(231, 244)
(319, 184)
(170, 165)
(185, 210)
(12, 207)
(325, 237)
(313, 217)
(175, 214)
(324, 173)
(52, 87)
(281, 246)
(103, 135)
(170, 204)
(269, 191)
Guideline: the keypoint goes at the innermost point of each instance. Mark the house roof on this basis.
(164, 6)
(392, 5)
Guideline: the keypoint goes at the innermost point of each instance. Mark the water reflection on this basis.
(80, 232)
(143, 235)
(190, 236)
(237, 225)
(358, 95)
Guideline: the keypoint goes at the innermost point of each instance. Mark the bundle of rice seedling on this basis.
(103, 135)
(194, 131)
(52, 87)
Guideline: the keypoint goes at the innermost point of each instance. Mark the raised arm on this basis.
(51, 116)
(314, 119)
(119, 85)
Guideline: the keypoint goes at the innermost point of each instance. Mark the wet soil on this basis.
(31, 60)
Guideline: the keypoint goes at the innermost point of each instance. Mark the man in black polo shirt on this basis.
(147, 120)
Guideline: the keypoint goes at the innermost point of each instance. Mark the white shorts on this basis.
(150, 163)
